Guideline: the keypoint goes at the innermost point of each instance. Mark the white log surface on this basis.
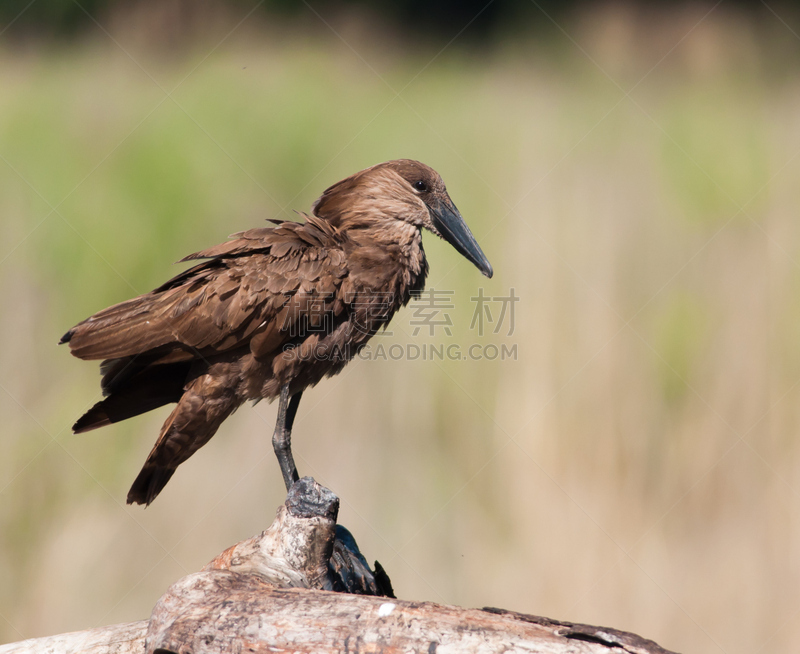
(125, 638)
(272, 593)
(220, 611)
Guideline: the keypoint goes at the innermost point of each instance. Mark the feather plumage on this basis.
(286, 304)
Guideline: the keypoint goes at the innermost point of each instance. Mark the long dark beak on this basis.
(452, 227)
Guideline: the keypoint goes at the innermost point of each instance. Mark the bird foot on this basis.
(305, 548)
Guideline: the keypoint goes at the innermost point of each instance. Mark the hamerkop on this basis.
(268, 314)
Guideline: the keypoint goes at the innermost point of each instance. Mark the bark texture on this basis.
(219, 611)
(272, 593)
(127, 638)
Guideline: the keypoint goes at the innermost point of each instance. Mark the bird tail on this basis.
(149, 483)
(190, 426)
(139, 391)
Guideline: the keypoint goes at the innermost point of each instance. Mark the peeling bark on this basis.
(219, 611)
(272, 593)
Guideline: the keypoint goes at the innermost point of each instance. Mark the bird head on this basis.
(404, 190)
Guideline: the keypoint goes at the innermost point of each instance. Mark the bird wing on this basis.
(255, 287)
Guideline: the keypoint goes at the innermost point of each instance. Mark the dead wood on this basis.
(127, 638)
(219, 611)
(272, 593)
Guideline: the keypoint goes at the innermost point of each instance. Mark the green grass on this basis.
(657, 324)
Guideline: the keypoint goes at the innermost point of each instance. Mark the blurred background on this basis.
(631, 170)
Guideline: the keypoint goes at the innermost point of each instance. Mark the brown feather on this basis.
(291, 303)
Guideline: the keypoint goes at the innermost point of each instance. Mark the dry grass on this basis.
(637, 466)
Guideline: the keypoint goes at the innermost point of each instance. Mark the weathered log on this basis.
(305, 548)
(272, 593)
(219, 611)
(241, 613)
(127, 638)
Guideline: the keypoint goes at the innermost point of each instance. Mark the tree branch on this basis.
(273, 593)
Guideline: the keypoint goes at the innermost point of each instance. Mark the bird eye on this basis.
(421, 186)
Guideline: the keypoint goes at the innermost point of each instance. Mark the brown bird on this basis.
(268, 314)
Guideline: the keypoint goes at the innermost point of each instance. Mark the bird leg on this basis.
(282, 438)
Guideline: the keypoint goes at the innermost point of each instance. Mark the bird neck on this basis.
(387, 254)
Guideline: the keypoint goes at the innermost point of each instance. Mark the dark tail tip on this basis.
(149, 484)
(66, 337)
(92, 419)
